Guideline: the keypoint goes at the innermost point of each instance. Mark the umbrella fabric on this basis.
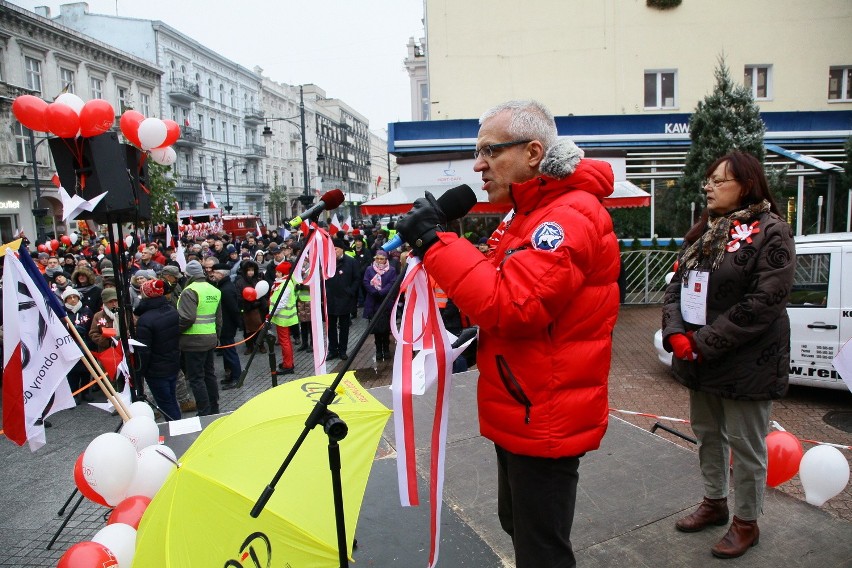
(200, 517)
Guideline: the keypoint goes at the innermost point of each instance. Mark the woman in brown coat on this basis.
(726, 322)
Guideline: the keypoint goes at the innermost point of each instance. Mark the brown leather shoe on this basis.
(740, 537)
(709, 512)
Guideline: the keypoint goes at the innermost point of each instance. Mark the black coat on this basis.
(341, 290)
(231, 316)
(157, 329)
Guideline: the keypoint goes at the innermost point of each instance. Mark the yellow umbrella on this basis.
(200, 517)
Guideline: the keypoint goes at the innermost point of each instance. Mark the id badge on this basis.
(693, 297)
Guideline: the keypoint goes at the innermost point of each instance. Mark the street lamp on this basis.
(306, 198)
(228, 205)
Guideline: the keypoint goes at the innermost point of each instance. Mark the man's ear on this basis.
(535, 153)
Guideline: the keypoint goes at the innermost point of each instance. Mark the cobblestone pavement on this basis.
(639, 382)
(36, 485)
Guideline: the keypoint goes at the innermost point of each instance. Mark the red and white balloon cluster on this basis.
(121, 470)
(259, 291)
(66, 117)
(151, 134)
(823, 469)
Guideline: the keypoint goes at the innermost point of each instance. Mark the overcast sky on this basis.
(353, 49)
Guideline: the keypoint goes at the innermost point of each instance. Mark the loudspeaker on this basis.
(101, 164)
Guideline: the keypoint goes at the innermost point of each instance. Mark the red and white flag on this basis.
(169, 239)
(213, 203)
(347, 224)
(259, 230)
(334, 225)
(38, 352)
(203, 194)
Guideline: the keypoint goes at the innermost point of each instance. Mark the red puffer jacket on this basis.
(546, 301)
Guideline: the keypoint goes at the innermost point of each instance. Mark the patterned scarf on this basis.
(712, 242)
(376, 281)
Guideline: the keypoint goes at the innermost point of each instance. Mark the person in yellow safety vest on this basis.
(199, 322)
(303, 311)
(284, 315)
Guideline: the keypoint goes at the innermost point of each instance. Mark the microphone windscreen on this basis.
(456, 202)
(332, 199)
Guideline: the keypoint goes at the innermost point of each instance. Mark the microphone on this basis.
(330, 200)
(454, 204)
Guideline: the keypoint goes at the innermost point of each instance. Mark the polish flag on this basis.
(334, 225)
(38, 352)
(347, 224)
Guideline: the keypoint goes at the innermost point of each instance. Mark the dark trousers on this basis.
(163, 390)
(338, 333)
(306, 332)
(202, 381)
(230, 358)
(535, 505)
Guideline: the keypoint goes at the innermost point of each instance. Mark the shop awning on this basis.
(399, 200)
(803, 159)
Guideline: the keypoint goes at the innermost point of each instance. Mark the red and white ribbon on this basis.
(423, 330)
(316, 264)
(669, 418)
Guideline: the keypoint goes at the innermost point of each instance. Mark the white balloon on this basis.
(74, 237)
(824, 472)
(72, 100)
(128, 242)
(142, 432)
(261, 288)
(669, 277)
(109, 464)
(164, 156)
(152, 471)
(120, 539)
(140, 408)
(152, 133)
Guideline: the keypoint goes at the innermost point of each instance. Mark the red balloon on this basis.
(83, 485)
(249, 294)
(30, 111)
(41, 248)
(129, 123)
(784, 452)
(62, 120)
(66, 240)
(172, 133)
(88, 554)
(130, 511)
(54, 244)
(96, 117)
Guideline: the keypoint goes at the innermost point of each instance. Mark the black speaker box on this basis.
(92, 166)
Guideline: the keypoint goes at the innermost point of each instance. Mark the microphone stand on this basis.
(336, 430)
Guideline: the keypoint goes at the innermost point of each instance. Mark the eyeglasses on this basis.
(715, 182)
(488, 151)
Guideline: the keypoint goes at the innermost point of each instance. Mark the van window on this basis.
(810, 283)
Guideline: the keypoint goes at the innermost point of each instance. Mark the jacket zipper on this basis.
(513, 386)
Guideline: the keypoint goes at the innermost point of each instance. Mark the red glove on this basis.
(690, 335)
(683, 346)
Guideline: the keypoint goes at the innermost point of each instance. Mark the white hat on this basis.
(69, 291)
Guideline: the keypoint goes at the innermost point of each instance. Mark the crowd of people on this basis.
(202, 309)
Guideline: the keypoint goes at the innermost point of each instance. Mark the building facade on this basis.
(41, 58)
(384, 173)
(623, 78)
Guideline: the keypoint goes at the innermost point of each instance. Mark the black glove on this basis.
(420, 226)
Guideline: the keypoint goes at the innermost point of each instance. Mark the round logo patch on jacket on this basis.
(547, 236)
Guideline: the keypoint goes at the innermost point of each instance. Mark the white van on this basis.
(820, 310)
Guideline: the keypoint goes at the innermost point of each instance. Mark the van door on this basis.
(815, 312)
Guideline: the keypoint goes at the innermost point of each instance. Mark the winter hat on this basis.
(341, 244)
(381, 252)
(153, 289)
(69, 291)
(147, 273)
(171, 270)
(108, 294)
(108, 273)
(231, 248)
(193, 268)
(273, 247)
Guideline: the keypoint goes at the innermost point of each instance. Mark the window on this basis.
(172, 70)
(756, 79)
(810, 282)
(840, 84)
(212, 128)
(424, 101)
(236, 142)
(201, 124)
(210, 89)
(221, 93)
(22, 142)
(660, 89)
(96, 86)
(224, 131)
(233, 99)
(123, 98)
(145, 104)
(66, 78)
(201, 165)
(33, 72)
(213, 167)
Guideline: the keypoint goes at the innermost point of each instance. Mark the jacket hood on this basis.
(90, 274)
(246, 264)
(592, 176)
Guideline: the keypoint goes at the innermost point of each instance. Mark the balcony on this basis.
(257, 190)
(253, 115)
(255, 151)
(190, 182)
(190, 137)
(183, 90)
